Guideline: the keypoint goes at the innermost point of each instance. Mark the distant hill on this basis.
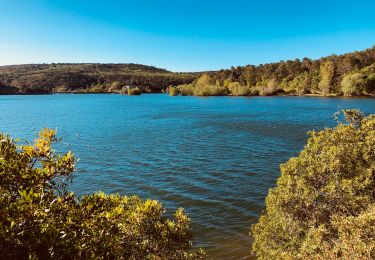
(350, 74)
(87, 77)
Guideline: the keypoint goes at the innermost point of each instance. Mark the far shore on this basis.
(146, 93)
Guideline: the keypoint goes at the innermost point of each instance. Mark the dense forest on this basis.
(351, 74)
(87, 78)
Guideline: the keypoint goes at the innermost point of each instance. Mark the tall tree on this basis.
(327, 73)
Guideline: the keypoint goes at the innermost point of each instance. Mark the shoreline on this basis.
(152, 93)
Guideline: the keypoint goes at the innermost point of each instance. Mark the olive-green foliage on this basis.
(268, 87)
(134, 91)
(297, 77)
(324, 204)
(318, 77)
(173, 91)
(186, 89)
(327, 73)
(301, 84)
(203, 86)
(46, 78)
(209, 90)
(353, 84)
(236, 89)
(40, 219)
(115, 87)
(96, 89)
(360, 82)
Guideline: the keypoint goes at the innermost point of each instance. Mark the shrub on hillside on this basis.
(236, 89)
(173, 91)
(270, 88)
(134, 91)
(360, 82)
(39, 218)
(203, 86)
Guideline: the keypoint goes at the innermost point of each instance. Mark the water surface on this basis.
(216, 157)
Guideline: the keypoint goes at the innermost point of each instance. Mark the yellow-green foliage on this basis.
(327, 73)
(115, 87)
(301, 84)
(361, 82)
(236, 89)
(97, 89)
(209, 90)
(134, 91)
(323, 205)
(186, 89)
(203, 86)
(40, 219)
(355, 239)
(173, 91)
(353, 84)
(268, 88)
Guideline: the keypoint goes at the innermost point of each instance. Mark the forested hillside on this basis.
(349, 74)
(47, 78)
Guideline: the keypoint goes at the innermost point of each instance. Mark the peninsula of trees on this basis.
(351, 74)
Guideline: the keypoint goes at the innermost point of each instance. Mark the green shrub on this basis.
(323, 205)
(204, 80)
(209, 90)
(39, 218)
(203, 86)
(99, 88)
(134, 91)
(301, 84)
(236, 89)
(361, 82)
(173, 91)
(353, 84)
(186, 90)
(270, 88)
(115, 87)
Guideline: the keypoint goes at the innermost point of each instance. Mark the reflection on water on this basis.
(216, 157)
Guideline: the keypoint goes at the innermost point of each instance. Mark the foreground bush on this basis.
(39, 218)
(324, 204)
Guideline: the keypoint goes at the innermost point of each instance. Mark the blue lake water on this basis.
(216, 157)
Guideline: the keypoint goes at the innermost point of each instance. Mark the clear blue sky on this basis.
(181, 35)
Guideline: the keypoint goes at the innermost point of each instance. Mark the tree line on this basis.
(351, 74)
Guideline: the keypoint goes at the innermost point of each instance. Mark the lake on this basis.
(216, 157)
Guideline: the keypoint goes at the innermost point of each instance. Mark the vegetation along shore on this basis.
(351, 74)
